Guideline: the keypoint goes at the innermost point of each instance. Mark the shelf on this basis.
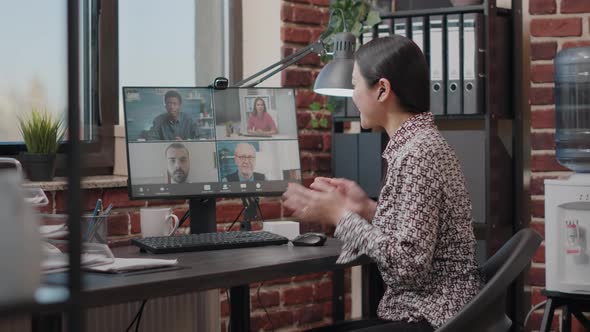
(437, 11)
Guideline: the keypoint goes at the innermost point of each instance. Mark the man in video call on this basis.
(245, 159)
(174, 125)
(178, 163)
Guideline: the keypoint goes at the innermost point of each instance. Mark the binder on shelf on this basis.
(437, 86)
(418, 31)
(454, 102)
(400, 27)
(473, 60)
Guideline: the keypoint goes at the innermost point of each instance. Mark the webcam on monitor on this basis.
(220, 83)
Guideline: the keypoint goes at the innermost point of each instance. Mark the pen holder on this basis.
(94, 229)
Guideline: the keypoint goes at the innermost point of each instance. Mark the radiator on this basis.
(194, 312)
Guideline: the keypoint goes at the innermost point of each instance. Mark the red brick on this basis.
(267, 299)
(305, 97)
(561, 27)
(301, 14)
(543, 141)
(296, 35)
(270, 209)
(537, 276)
(119, 197)
(541, 96)
(327, 142)
(278, 319)
(324, 3)
(537, 186)
(296, 78)
(89, 198)
(298, 295)
(307, 162)
(298, 1)
(542, 119)
(316, 33)
(543, 50)
(227, 211)
(311, 59)
(537, 7)
(311, 141)
(542, 73)
(545, 162)
(303, 120)
(538, 208)
(575, 6)
(322, 291)
(577, 43)
(538, 227)
(324, 162)
(539, 256)
(309, 314)
(135, 223)
(118, 224)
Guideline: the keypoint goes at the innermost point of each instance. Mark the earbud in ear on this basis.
(381, 91)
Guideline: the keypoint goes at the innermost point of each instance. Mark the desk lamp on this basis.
(335, 79)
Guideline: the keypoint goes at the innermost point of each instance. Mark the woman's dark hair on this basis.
(172, 94)
(254, 111)
(402, 63)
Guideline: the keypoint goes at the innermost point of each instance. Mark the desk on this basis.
(572, 303)
(204, 270)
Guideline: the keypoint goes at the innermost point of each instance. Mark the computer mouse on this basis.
(310, 239)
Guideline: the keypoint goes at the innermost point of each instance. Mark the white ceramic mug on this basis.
(157, 221)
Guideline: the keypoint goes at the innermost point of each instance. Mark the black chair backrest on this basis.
(486, 312)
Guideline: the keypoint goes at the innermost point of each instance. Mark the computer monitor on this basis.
(198, 142)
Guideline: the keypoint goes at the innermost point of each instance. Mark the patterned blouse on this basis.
(421, 236)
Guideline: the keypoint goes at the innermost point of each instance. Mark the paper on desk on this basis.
(59, 262)
(132, 264)
(53, 231)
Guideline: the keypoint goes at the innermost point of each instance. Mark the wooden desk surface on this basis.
(208, 270)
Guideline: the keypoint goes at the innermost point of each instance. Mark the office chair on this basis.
(486, 311)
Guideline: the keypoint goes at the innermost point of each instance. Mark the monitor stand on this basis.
(202, 212)
(203, 220)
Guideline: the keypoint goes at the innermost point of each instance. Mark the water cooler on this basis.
(567, 201)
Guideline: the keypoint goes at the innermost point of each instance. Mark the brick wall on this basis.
(554, 25)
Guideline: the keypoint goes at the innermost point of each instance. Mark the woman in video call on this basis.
(419, 231)
(260, 122)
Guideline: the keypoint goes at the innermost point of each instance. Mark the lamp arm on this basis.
(317, 47)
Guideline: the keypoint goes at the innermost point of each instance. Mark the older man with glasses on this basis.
(245, 159)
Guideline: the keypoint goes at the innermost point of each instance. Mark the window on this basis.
(33, 69)
(131, 42)
(171, 43)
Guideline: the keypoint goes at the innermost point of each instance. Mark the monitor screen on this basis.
(194, 142)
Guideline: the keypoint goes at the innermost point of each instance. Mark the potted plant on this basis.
(42, 133)
(359, 17)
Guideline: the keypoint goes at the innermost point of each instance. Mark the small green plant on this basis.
(41, 131)
(359, 17)
(319, 119)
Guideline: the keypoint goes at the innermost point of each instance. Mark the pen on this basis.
(94, 214)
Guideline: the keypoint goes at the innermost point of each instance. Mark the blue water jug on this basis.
(572, 108)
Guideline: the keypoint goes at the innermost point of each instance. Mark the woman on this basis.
(260, 122)
(419, 231)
